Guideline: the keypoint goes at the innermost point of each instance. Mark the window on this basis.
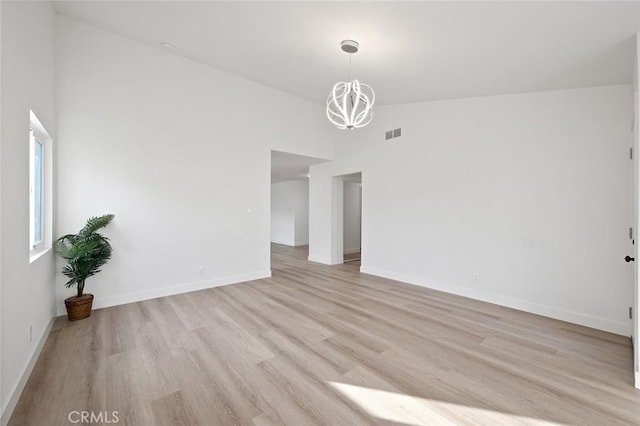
(36, 188)
(39, 184)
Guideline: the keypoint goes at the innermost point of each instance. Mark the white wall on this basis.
(351, 219)
(283, 220)
(180, 153)
(290, 213)
(28, 64)
(528, 191)
(302, 213)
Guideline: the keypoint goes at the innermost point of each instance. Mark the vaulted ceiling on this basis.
(410, 51)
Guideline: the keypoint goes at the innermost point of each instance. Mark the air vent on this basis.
(390, 134)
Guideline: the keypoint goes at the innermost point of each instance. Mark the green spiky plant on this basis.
(85, 252)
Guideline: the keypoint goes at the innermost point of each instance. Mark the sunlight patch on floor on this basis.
(413, 410)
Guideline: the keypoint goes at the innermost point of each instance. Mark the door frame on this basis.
(635, 293)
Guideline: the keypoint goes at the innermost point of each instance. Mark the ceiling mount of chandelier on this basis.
(350, 103)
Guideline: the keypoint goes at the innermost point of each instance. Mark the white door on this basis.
(633, 249)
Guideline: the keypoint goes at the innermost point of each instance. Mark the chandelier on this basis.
(349, 105)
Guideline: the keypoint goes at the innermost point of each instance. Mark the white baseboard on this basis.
(637, 376)
(319, 260)
(351, 250)
(547, 311)
(292, 243)
(170, 291)
(325, 261)
(15, 393)
(284, 243)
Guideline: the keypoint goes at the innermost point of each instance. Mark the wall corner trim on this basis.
(7, 410)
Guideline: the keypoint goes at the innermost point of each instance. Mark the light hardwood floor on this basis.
(351, 257)
(320, 344)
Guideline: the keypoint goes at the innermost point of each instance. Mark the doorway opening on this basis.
(290, 198)
(352, 217)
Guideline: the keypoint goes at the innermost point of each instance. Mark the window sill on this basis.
(38, 253)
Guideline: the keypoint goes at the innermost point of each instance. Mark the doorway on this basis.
(290, 198)
(352, 217)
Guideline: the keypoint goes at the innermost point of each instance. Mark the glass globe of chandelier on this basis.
(350, 103)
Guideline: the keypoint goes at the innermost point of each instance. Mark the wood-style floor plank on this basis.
(320, 344)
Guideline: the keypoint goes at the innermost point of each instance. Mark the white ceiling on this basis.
(410, 51)
(285, 166)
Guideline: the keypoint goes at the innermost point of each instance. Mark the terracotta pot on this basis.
(79, 307)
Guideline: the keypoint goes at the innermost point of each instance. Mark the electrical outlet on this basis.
(201, 270)
(474, 277)
(30, 333)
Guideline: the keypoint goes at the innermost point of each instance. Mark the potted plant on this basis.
(85, 252)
